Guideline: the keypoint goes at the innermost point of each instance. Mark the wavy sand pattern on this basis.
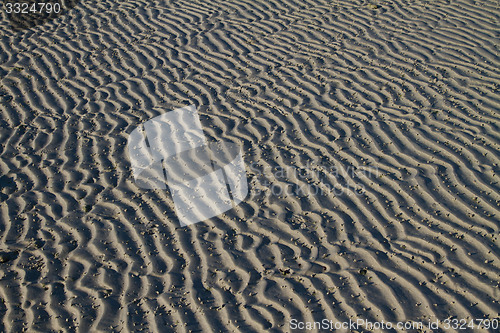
(405, 89)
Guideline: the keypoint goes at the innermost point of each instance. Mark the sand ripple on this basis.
(406, 90)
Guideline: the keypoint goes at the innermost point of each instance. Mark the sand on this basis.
(370, 134)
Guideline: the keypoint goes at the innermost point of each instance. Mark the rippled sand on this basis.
(403, 92)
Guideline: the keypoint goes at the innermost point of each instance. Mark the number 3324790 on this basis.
(35, 8)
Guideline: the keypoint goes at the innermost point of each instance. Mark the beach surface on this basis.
(370, 136)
